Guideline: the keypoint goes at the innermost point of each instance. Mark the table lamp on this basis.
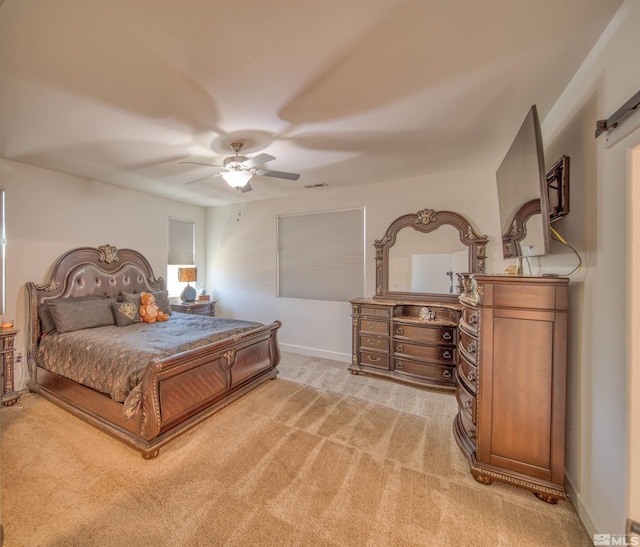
(187, 275)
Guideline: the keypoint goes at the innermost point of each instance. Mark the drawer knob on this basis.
(446, 335)
(376, 360)
(471, 376)
(399, 365)
(446, 354)
(399, 330)
(473, 319)
(446, 373)
(472, 433)
(467, 404)
(400, 348)
(471, 348)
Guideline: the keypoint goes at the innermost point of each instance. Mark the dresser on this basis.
(411, 341)
(511, 381)
(196, 308)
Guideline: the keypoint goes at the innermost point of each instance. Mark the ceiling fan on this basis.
(238, 169)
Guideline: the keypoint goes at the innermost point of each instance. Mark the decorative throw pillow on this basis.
(131, 297)
(48, 325)
(162, 300)
(83, 314)
(125, 313)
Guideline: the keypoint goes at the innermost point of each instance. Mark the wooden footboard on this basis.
(179, 392)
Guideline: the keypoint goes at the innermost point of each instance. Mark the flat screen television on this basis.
(523, 195)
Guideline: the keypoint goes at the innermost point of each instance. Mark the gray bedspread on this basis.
(112, 359)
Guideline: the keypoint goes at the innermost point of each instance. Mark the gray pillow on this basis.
(83, 314)
(162, 299)
(126, 313)
(47, 323)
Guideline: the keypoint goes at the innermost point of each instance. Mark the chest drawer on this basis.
(373, 326)
(468, 346)
(428, 334)
(467, 402)
(371, 359)
(373, 311)
(442, 354)
(468, 374)
(470, 429)
(374, 342)
(470, 318)
(437, 373)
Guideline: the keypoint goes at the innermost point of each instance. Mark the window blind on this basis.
(321, 255)
(181, 242)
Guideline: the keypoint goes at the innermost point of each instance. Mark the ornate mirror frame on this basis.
(427, 220)
(518, 229)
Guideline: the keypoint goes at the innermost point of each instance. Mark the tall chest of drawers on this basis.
(412, 342)
(511, 381)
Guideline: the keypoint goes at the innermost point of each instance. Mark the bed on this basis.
(123, 377)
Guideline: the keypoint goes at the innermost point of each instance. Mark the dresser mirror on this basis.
(421, 254)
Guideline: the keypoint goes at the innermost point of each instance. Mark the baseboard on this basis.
(580, 507)
(313, 352)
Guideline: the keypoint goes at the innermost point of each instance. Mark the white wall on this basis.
(596, 464)
(49, 213)
(242, 254)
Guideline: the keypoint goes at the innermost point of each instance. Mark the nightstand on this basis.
(196, 308)
(7, 338)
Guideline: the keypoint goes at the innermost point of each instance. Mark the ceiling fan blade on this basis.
(246, 188)
(202, 178)
(258, 160)
(199, 163)
(277, 174)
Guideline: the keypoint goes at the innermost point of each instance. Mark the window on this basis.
(181, 252)
(321, 255)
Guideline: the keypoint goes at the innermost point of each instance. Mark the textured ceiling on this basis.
(344, 92)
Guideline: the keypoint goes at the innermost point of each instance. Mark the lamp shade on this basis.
(186, 275)
(237, 178)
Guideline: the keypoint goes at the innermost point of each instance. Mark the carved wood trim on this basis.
(427, 220)
(518, 229)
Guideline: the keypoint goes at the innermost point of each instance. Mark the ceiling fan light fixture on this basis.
(237, 179)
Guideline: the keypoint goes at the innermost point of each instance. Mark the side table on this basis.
(196, 308)
(7, 348)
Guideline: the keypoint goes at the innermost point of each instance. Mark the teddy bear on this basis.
(149, 311)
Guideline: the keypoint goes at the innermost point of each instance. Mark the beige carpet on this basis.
(316, 457)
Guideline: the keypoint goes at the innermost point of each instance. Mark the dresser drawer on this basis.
(468, 374)
(470, 429)
(469, 318)
(374, 342)
(468, 347)
(466, 402)
(371, 325)
(429, 334)
(372, 311)
(437, 373)
(371, 359)
(441, 354)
